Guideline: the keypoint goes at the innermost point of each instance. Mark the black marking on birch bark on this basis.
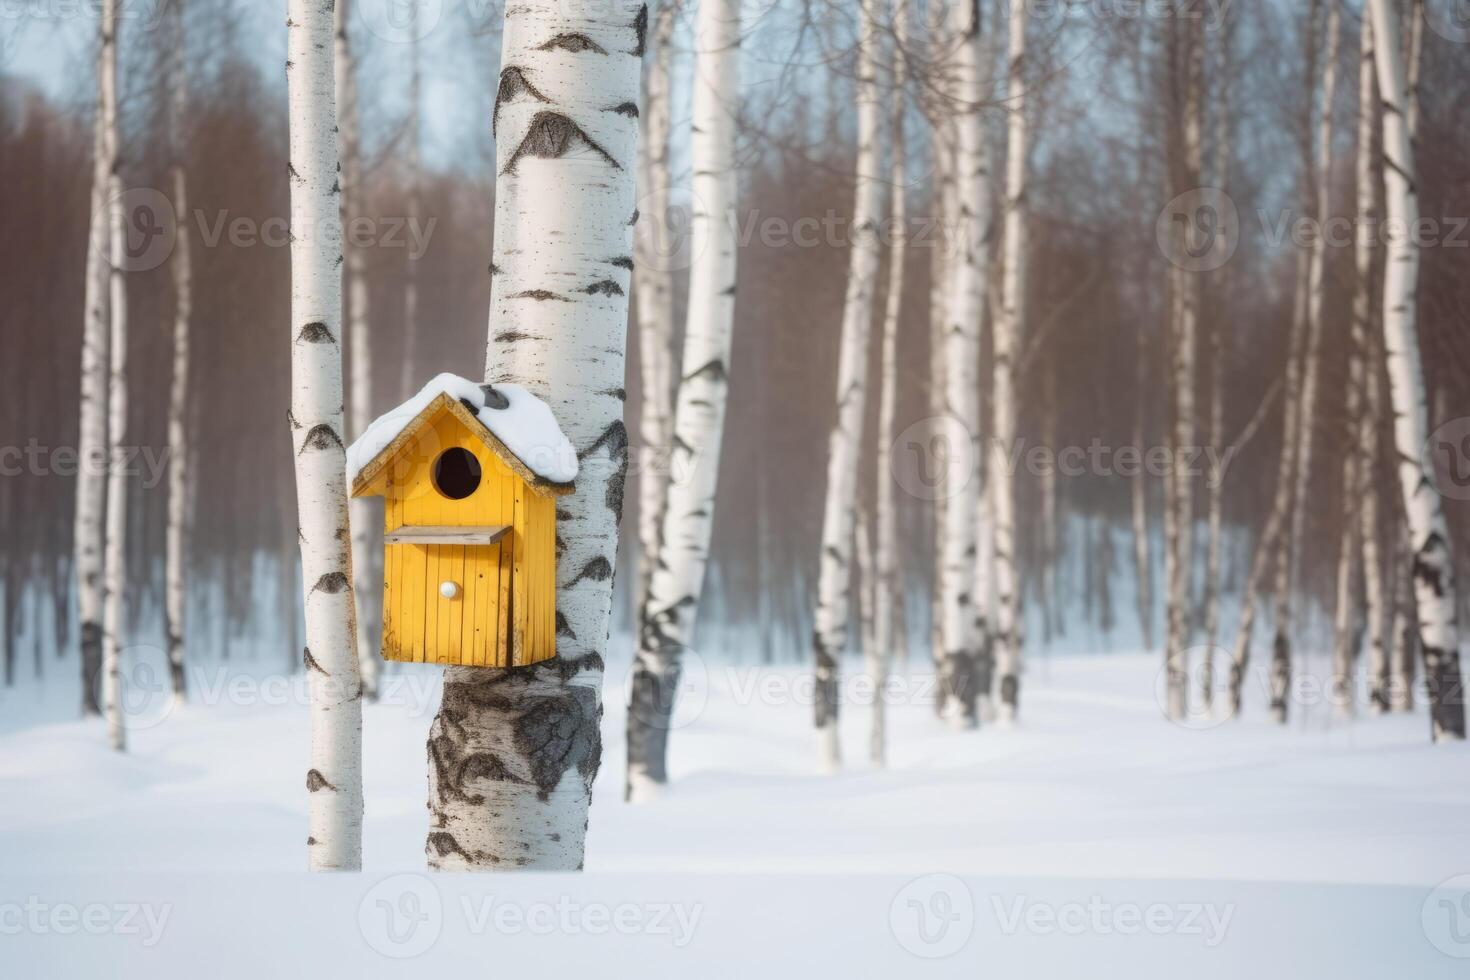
(621, 394)
(332, 583)
(713, 370)
(598, 570)
(310, 662)
(315, 332)
(634, 219)
(494, 398)
(513, 82)
(291, 167)
(315, 782)
(1429, 564)
(494, 269)
(558, 733)
(573, 41)
(321, 436)
(552, 136)
(728, 290)
(470, 406)
(443, 843)
(563, 514)
(511, 337)
(311, 842)
(604, 287)
(622, 262)
(561, 546)
(540, 295)
(629, 109)
(614, 437)
(563, 628)
(640, 32)
(291, 419)
(616, 485)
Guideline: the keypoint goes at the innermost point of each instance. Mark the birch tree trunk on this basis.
(1360, 500)
(1143, 565)
(176, 532)
(1306, 310)
(513, 753)
(1433, 564)
(844, 445)
(114, 555)
(886, 591)
(967, 267)
(1006, 348)
(653, 284)
(944, 211)
(1220, 350)
(1280, 672)
(334, 780)
(363, 516)
(1186, 284)
(667, 617)
(92, 438)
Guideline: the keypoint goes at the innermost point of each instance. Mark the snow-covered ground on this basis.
(1095, 837)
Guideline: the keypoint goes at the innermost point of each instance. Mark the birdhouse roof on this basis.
(522, 432)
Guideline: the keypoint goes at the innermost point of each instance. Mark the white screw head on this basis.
(448, 590)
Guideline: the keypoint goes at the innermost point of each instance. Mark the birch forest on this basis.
(978, 487)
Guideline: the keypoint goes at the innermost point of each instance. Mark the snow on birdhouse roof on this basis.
(521, 422)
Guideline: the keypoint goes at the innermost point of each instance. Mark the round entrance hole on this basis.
(456, 473)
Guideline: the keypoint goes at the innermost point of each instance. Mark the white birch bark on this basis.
(1280, 671)
(1009, 326)
(176, 531)
(967, 267)
(653, 285)
(114, 553)
(1360, 499)
(667, 617)
(886, 593)
(1376, 587)
(1433, 566)
(944, 209)
(513, 753)
(1219, 352)
(334, 779)
(1316, 300)
(1142, 548)
(362, 515)
(1187, 288)
(91, 492)
(844, 445)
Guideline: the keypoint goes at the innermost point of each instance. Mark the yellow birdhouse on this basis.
(469, 475)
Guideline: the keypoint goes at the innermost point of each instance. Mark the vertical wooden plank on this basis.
(535, 559)
(507, 553)
(388, 642)
(519, 605)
